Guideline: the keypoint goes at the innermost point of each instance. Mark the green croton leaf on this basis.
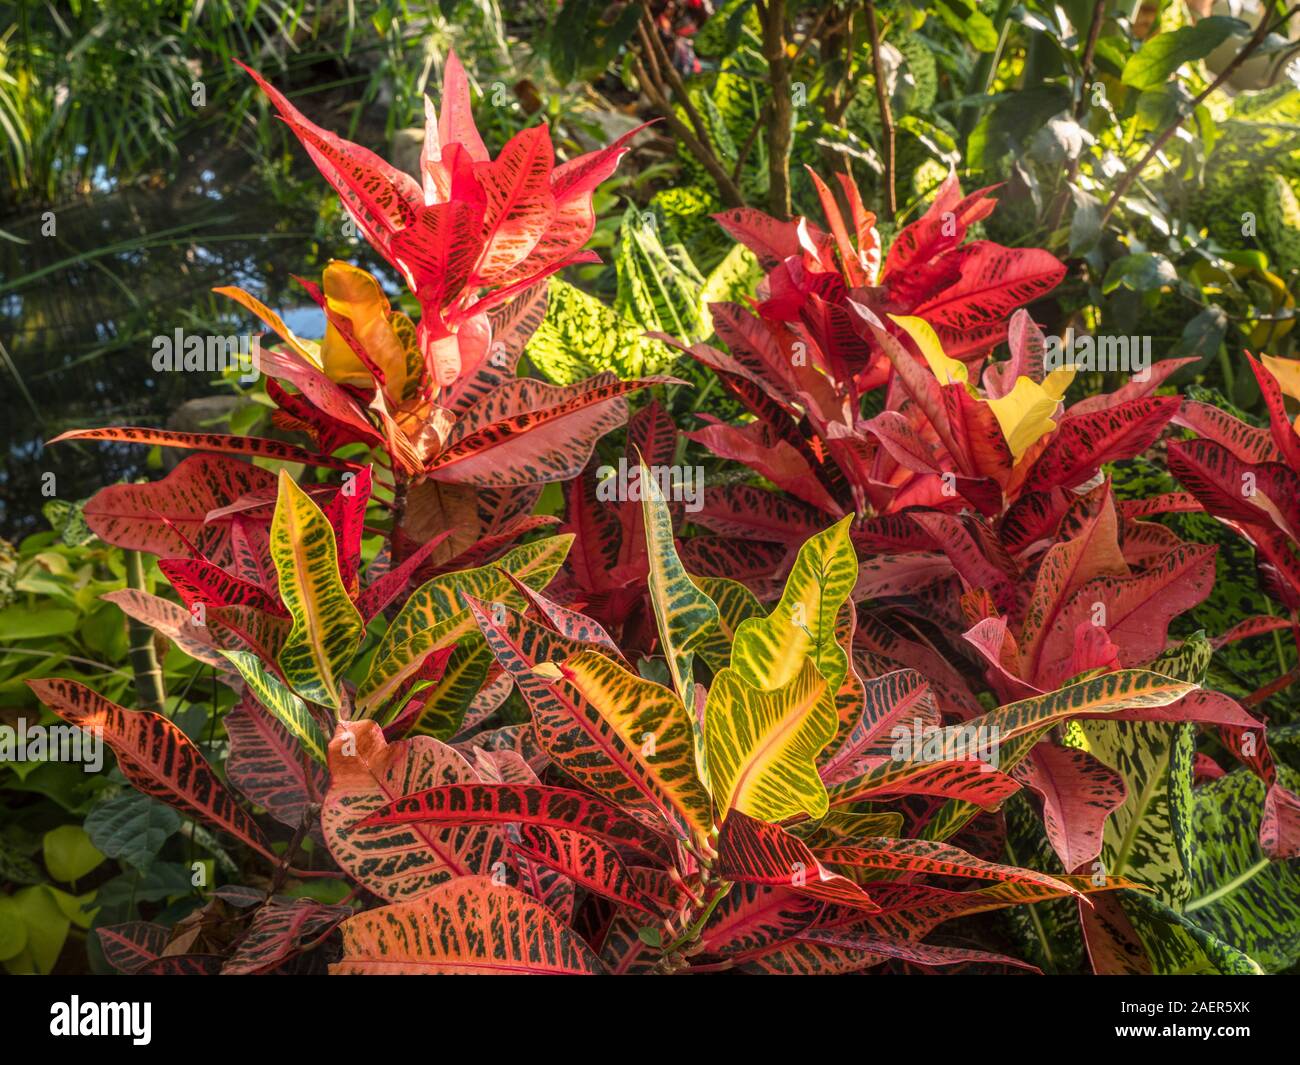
(435, 616)
(1239, 895)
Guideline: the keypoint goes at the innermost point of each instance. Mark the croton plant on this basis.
(790, 732)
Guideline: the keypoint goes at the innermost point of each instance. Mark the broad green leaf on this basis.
(1161, 55)
(13, 930)
(1238, 894)
(965, 18)
(1155, 760)
(762, 746)
(46, 926)
(581, 336)
(685, 616)
(132, 827)
(286, 707)
(69, 854)
(327, 628)
(734, 278)
(768, 652)
(23, 623)
(1145, 838)
(1047, 934)
(435, 616)
(658, 290)
(1176, 945)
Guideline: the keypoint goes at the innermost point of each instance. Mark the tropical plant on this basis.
(451, 662)
(695, 828)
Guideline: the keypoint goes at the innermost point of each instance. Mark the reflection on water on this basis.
(79, 310)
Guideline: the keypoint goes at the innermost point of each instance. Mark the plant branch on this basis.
(309, 813)
(765, 112)
(1248, 49)
(657, 93)
(1089, 52)
(663, 69)
(1080, 105)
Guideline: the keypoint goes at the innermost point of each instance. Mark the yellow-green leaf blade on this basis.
(282, 703)
(762, 746)
(769, 652)
(327, 628)
(628, 739)
(735, 604)
(684, 615)
(435, 616)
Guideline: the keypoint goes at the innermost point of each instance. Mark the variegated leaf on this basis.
(156, 756)
(281, 702)
(762, 746)
(327, 629)
(468, 926)
(436, 616)
(769, 652)
(684, 614)
(399, 861)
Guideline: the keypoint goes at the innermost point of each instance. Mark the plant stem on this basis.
(886, 115)
(310, 811)
(1080, 105)
(717, 892)
(662, 65)
(780, 134)
(1089, 51)
(986, 69)
(702, 150)
(149, 689)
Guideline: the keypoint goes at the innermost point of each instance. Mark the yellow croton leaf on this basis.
(327, 627)
(942, 365)
(1025, 413)
(769, 650)
(355, 295)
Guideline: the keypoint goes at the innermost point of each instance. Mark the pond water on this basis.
(80, 306)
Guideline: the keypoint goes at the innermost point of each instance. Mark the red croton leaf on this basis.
(267, 764)
(399, 861)
(587, 861)
(548, 807)
(1083, 443)
(468, 926)
(156, 756)
(128, 515)
(753, 852)
(236, 445)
